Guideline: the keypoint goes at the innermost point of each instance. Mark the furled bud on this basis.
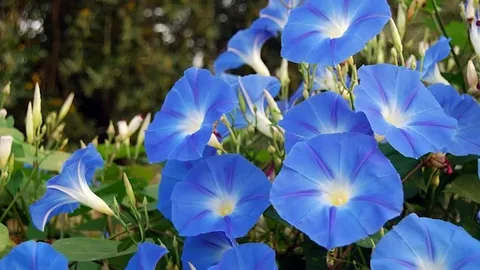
(134, 125)
(423, 47)
(65, 107)
(95, 141)
(82, 144)
(37, 108)
(29, 124)
(6, 89)
(143, 128)
(397, 40)
(435, 180)
(5, 150)
(129, 190)
(437, 160)
(401, 19)
(276, 113)
(122, 129)
(3, 113)
(472, 76)
(271, 149)
(411, 62)
(111, 130)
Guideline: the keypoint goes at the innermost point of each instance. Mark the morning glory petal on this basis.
(174, 172)
(205, 250)
(220, 194)
(274, 17)
(329, 32)
(244, 48)
(466, 111)
(325, 113)
(402, 109)
(146, 257)
(249, 256)
(337, 188)
(429, 68)
(34, 256)
(425, 243)
(183, 127)
(67, 190)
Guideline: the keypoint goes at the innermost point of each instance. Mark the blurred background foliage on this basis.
(119, 57)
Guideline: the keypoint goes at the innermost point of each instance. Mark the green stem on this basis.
(12, 203)
(441, 25)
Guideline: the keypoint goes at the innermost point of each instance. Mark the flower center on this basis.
(339, 197)
(427, 265)
(193, 123)
(394, 118)
(336, 28)
(225, 208)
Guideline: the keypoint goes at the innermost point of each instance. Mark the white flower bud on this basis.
(411, 62)
(65, 107)
(401, 19)
(37, 108)
(469, 10)
(472, 76)
(134, 125)
(3, 113)
(110, 129)
(397, 40)
(5, 150)
(129, 190)
(29, 124)
(122, 129)
(423, 47)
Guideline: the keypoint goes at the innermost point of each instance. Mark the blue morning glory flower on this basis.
(252, 89)
(274, 17)
(33, 255)
(220, 194)
(402, 109)
(244, 47)
(184, 126)
(205, 250)
(328, 32)
(337, 188)
(248, 256)
(174, 172)
(146, 257)
(67, 190)
(425, 243)
(324, 113)
(429, 66)
(466, 111)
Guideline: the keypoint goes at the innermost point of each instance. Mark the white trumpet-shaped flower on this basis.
(69, 189)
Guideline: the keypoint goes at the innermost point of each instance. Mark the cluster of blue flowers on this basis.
(335, 185)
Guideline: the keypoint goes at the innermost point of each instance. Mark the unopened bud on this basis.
(394, 53)
(241, 102)
(82, 144)
(472, 76)
(397, 40)
(64, 143)
(115, 206)
(423, 47)
(51, 118)
(412, 9)
(3, 113)
(437, 160)
(95, 141)
(57, 133)
(271, 149)
(129, 190)
(6, 89)
(305, 94)
(143, 128)
(5, 150)
(175, 242)
(251, 129)
(401, 19)
(11, 163)
(122, 129)
(37, 108)
(29, 124)
(134, 125)
(65, 107)
(111, 129)
(411, 62)
(469, 10)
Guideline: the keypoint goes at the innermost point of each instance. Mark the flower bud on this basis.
(129, 190)
(143, 128)
(435, 181)
(37, 108)
(134, 125)
(423, 47)
(29, 124)
(122, 129)
(251, 129)
(6, 89)
(412, 10)
(11, 163)
(401, 19)
(472, 76)
(51, 119)
(58, 132)
(394, 53)
(411, 62)
(437, 160)
(82, 144)
(241, 102)
(115, 206)
(469, 10)
(397, 40)
(64, 143)
(3, 113)
(5, 150)
(65, 107)
(305, 93)
(110, 129)
(271, 150)
(95, 141)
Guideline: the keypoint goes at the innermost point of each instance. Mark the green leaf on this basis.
(315, 256)
(402, 164)
(372, 240)
(88, 249)
(457, 31)
(15, 133)
(50, 160)
(4, 237)
(466, 186)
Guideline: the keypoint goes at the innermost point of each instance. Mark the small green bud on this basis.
(65, 107)
(129, 190)
(271, 150)
(116, 207)
(29, 124)
(6, 89)
(37, 108)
